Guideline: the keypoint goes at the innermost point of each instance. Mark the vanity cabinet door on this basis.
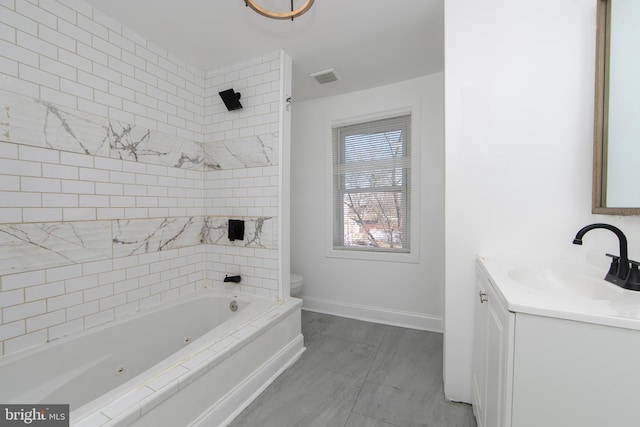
(493, 357)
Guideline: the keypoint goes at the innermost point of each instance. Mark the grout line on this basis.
(364, 381)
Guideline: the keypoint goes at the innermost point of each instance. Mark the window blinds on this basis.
(371, 188)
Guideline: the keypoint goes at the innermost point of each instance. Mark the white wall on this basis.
(390, 292)
(519, 120)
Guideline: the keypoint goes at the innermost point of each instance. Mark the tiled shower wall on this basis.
(119, 167)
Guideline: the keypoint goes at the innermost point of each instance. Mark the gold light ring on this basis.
(279, 15)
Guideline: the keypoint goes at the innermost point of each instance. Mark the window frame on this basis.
(412, 256)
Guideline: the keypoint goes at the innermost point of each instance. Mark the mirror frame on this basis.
(600, 118)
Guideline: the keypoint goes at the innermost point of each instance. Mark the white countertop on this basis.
(545, 293)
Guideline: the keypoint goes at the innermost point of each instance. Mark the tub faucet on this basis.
(623, 271)
(234, 279)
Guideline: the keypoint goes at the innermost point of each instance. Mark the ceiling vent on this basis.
(325, 76)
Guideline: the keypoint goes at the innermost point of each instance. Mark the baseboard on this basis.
(248, 390)
(385, 316)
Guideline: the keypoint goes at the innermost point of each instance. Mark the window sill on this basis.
(408, 257)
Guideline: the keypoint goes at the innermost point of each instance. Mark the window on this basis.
(371, 188)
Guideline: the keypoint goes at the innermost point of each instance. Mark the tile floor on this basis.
(359, 374)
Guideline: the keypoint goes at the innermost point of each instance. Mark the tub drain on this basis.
(233, 306)
(119, 370)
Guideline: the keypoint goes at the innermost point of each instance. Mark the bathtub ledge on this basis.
(127, 409)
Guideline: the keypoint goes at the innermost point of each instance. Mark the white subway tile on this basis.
(110, 213)
(137, 271)
(129, 190)
(57, 97)
(76, 89)
(22, 311)
(47, 290)
(19, 21)
(63, 273)
(36, 13)
(49, 185)
(96, 267)
(95, 174)
(91, 80)
(9, 183)
(9, 298)
(106, 163)
(45, 320)
(22, 280)
(10, 199)
(92, 107)
(59, 200)
(137, 294)
(8, 67)
(76, 61)
(146, 54)
(37, 45)
(79, 214)
(8, 151)
(81, 283)
(78, 187)
(10, 215)
(82, 310)
(122, 177)
(92, 26)
(58, 10)
(42, 214)
(11, 330)
(107, 99)
(98, 293)
(121, 201)
(108, 188)
(113, 276)
(121, 42)
(121, 92)
(20, 167)
(79, 6)
(76, 159)
(64, 301)
(59, 171)
(124, 286)
(112, 302)
(55, 37)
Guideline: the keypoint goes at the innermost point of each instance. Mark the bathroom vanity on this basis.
(554, 345)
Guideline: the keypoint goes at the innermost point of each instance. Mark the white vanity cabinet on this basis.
(537, 366)
(492, 356)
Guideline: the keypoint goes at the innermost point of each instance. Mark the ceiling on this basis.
(369, 42)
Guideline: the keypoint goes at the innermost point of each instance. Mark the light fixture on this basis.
(294, 13)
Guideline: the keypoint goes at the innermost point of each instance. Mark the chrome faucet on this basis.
(623, 271)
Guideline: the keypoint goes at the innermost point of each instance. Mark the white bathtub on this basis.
(191, 361)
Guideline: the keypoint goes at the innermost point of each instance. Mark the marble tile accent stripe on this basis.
(25, 247)
(247, 152)
(133, 237)
(259, 232)
(39, 123)
(29, 247)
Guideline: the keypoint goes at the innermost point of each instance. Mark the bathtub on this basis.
(191, 361)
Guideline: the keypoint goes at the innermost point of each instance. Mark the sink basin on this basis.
(565, 283)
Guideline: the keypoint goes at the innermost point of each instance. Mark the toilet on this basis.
(295, 282)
